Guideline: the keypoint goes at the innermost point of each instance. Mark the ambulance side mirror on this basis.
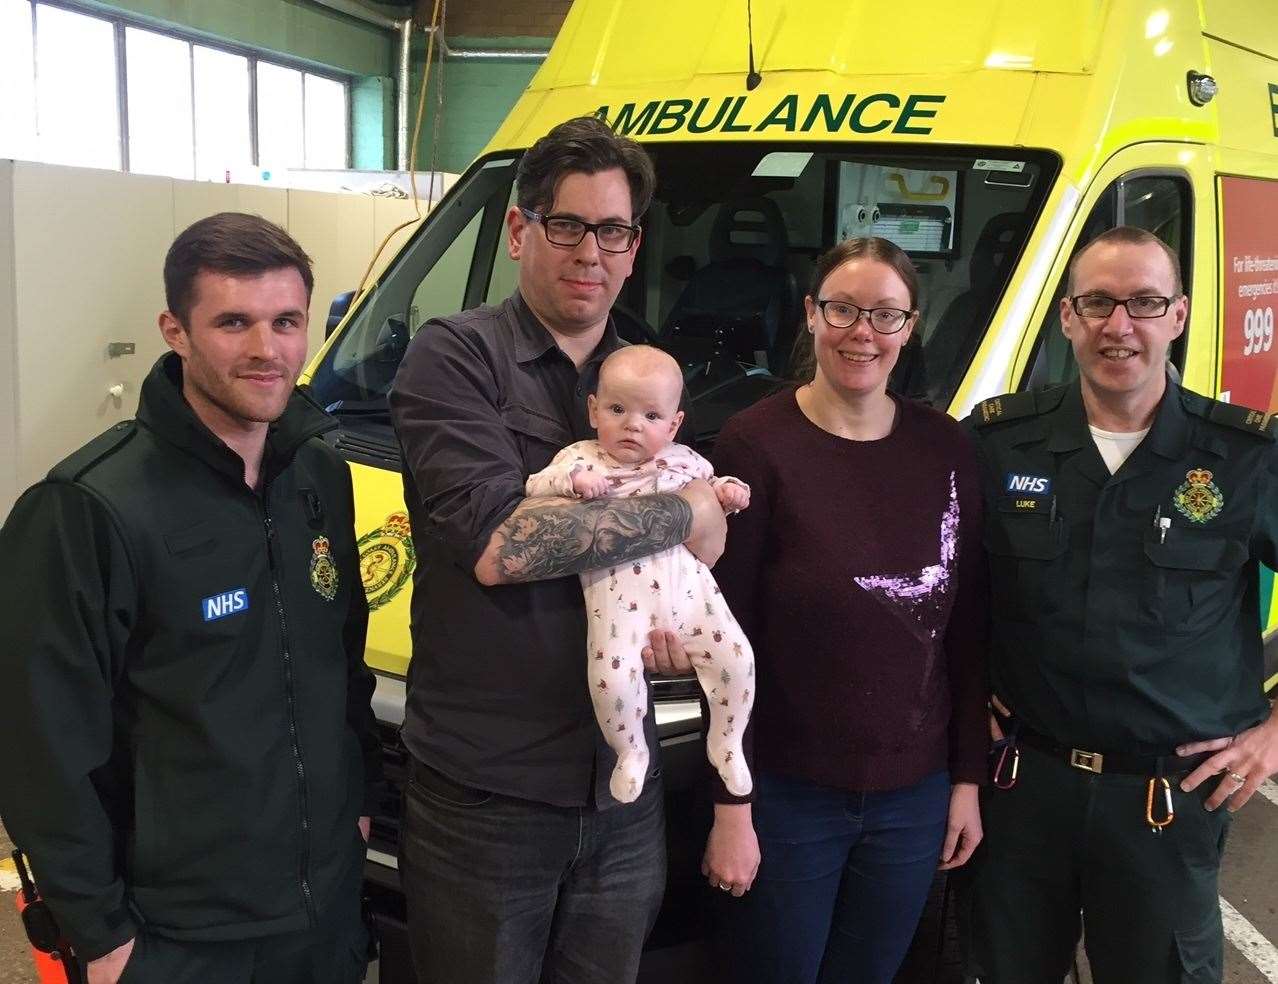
(337, 311)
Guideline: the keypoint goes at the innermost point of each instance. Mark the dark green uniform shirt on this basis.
(1126, 607)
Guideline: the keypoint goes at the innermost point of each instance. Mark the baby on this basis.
(636, 415)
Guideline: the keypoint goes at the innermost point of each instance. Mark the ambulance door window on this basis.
(1158, 203)
(444, 269)
(505, 271)
(442, 289)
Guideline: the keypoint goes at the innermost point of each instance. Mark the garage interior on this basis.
(342, 121)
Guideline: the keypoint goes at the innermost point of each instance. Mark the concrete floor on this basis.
(1249, 882)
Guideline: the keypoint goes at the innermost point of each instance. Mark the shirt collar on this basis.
(163, 410)
(1168, 435)
(533, 339)
(1069, 425)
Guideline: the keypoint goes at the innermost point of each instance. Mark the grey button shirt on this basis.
(497, 690)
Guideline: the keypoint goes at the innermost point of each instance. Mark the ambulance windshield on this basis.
(728, 250)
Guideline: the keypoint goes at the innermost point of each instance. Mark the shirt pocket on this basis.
(194, 541)
(1192, 577)
(1023, 550)
(539, 436)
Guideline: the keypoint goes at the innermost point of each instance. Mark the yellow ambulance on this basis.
(990, 139)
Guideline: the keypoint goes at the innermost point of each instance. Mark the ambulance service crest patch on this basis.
(386, 560)
(323, 570)
(1198, 498)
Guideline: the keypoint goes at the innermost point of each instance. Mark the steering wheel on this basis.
(634, 328)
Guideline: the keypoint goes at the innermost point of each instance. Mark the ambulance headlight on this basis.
(1202, 88)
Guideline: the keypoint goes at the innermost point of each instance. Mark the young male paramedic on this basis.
(517, 864)
(189, 734)
(1127, 517)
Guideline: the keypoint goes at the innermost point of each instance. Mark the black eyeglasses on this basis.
(1101, 306)
(844, 314)
(612, 237)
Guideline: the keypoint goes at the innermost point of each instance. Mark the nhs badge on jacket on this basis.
(231, 602)
(1027, 484)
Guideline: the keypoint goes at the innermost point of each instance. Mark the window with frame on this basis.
(100, 91)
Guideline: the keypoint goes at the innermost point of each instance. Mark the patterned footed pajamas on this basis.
(669, 590)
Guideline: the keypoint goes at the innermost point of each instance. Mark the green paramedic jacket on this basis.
(188, 740)
(1125, 608)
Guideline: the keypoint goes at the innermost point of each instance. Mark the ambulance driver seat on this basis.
(744, 300)
(951, 345)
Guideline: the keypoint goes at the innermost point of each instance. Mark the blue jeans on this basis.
(506, 891)
(842, 883)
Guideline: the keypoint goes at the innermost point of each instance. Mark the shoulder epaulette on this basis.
(1255, 422)
(70, 468)
(1009, 406)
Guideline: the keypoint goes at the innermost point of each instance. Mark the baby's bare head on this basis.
(643, 369)
(636, 408)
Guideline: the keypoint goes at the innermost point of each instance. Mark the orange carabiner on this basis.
(1158, 825)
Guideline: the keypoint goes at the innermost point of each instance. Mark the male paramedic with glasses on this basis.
(517, 863)
(1127, 518)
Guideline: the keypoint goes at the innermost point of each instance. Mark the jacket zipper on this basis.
(292, 710)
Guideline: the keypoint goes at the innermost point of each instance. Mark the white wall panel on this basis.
(88, 246)
(81, 265)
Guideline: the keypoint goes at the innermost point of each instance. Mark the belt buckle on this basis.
(1087, 761)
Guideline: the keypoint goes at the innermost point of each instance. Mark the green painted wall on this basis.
(295, 28)
(373, 116)
(477, 97)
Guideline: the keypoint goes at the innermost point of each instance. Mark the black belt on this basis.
(1116, 763)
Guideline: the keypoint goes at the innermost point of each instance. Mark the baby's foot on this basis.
(735, 774)
(627, 778)
(729, 761)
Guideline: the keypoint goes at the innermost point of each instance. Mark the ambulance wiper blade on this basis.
(359, 408)
(753, 78)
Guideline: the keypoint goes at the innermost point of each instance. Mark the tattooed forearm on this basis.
(542, 540)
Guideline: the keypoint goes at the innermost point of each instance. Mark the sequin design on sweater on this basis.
(920, 600)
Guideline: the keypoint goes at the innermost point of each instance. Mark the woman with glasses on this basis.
(857, 574)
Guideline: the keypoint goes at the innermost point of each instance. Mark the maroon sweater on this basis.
(860, 580)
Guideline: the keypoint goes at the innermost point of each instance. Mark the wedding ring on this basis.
(1241, 780)
(725, 886)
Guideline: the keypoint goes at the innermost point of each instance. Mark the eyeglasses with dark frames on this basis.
(612, 237)
(844, 314)
(1102, 305)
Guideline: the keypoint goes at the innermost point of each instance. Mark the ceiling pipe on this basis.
(404, 29)
(485, 54)
(353, 8)
(401, 96)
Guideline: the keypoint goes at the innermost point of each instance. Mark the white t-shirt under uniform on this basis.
(1116, 446)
